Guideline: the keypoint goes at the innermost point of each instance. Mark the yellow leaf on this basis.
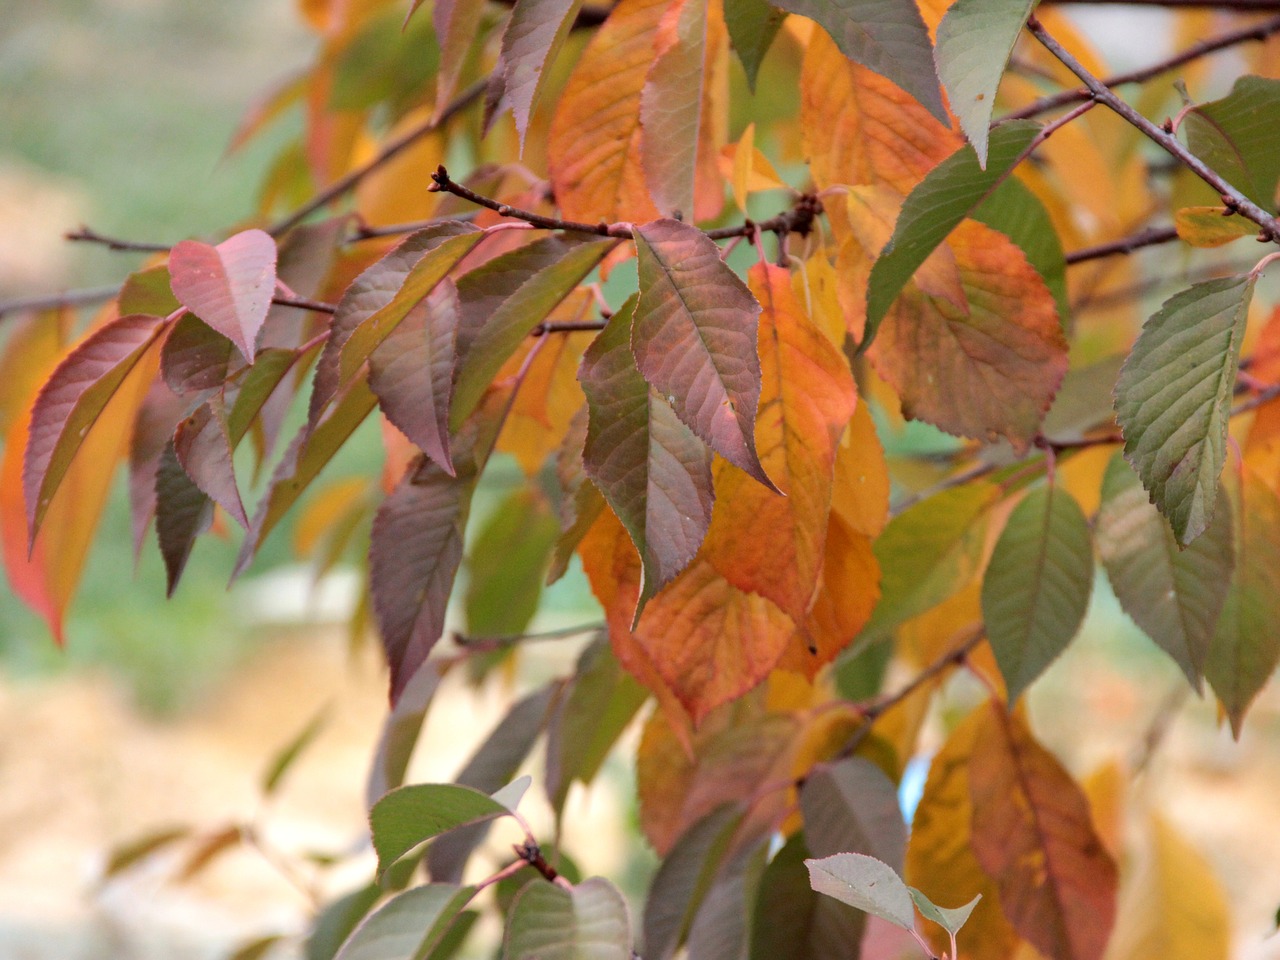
(817, 287)
(394, 193)
(1207, 227)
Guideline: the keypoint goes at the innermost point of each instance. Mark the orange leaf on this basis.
(759, 541)
(1033, 833)
(594, 147)
(860, 483)
(940, 860)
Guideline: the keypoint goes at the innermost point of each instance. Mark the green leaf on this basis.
(722, 928)
(536, 31)
(652, 470)
(407, 816)
(284, 759)
(1246, 643)
(866, 883)
(507, 562)
(505, 328)
(409, 925)
(588, 921)
(950, 920)
(1037, 586)
(752, 26)
(974, 41)
(1018, 213)
(148, 291)
(1174, 594)
(1173, 398)
(336, 921)
(1237, 137)
(694, 338)
(852, 807)
(389, 59)
(927, 553)
(951, 191)
(125, 855)
(794, 922)
(889, 36)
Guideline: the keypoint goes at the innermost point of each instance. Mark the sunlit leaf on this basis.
(1211, 226)
(974, 41)
(1033, 834)
(1173, 398)
(866, 883)
(1174, 594)
(229, 286)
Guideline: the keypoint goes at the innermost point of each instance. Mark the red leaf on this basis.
(694, 338)
(71, 401)
(654, 473)
(157, 419)
(229, 286)
(412, 372)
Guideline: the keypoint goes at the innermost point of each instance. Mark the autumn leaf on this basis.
(1033, 834)
(194, 356)
(1211, 226)
(229, 286)
(1173, 398)
(1236, 138)
(202, 444)
(457, 24)
(752, 24)
(694, 339)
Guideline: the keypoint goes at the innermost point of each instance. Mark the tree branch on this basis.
(1232, 198)
(89, 235)
(1256, 31)
(1146, 238)
(87, 297)
(799, 219)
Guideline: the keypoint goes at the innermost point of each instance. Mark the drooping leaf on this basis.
(593, 147)
(229, 286)
(502, 332)
(1246, 646)
(203, 447)
(974, 41)
(408, 816)
(793, 921)
(407, 926)
(1037, 586)
(588, 921)
(457, 25)
(399, 735)
(536, 31)
(952, 920)
(1175, 595)
(950, 192)
(126, 855)
(72, 400)
(411, 372)
(1033, 834)
(866, 883)
(852, 807)
(694, 338)
(1173, 398)
(940, 855)
(888, 36)
(761, 542)
(183, 512)
(651, 469)
(1236, 137)
(752, 26)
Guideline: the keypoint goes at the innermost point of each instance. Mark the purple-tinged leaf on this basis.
(580, 502)
(195, 357)
(72, 399)
(534, 35)
(412, 372)
(400, 733)
(183, 512)
(374, 289)
(653, 471)
(504, 330)
(229, 286)
(152, 430)
(203, 447)
(457, 24)
(852, 807)
(694, 338)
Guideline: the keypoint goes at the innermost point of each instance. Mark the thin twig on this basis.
(510, 639)
(1146, 238)
(1256, 31)
(542, 329)
(89, 235)
(87, 297)
(366, 232)
(1232, 198)
(343, 185)
(304, 303)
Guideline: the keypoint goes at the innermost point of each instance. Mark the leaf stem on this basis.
(1231, 197)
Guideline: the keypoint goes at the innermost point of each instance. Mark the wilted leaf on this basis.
(407, 816)
(652, 470)
(866, 883)
(974, 41)
(694, 338)
(888, 36)
(1236, 137)
(1246, 645)
(229, 286)
(1037, 586)
(1033, 834)
(588, 921)
(1174, 594)
(1173, 398)
(593, 148)
(408, 925)
(752, 26)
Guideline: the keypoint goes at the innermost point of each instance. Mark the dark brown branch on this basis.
(799, 219)
(89, 235)
(88, 297)
(343, 185)
(1256, 31)
(542, 329)
(304, 303)
(366, 232)
(1146, 238)
(531, 854)
(1231, 197)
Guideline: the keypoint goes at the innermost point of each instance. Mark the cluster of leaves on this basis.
(875, 431)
